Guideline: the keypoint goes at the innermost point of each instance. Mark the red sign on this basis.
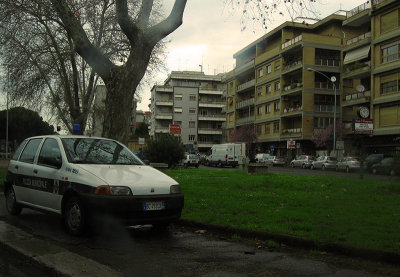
(291, 144)
(175, 129)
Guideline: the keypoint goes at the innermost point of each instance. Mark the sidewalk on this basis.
(48, 257)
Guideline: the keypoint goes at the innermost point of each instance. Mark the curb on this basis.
(368, 254)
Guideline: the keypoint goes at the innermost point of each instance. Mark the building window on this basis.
(268, 88)
(277, 86)
(277, 65)
(269, 69)
(231, 117)
(259, 91)
(324, 103)
(267, 129)
(277, 106)
(192, 137)
(178, 97)
(267, 108)
(258, 129)
(178, 110)
(389, 87)
(347, 83)
(192, 124)
(231, 85)
(204, 112)
(390, 52)
(260, 110)
(389, 21)
(322, 122)
(192, 97)
(260, 72)
(276, 127)
(192, 111)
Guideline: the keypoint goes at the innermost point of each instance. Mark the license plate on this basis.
(153, 206)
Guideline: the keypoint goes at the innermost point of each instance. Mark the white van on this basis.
(226, 154)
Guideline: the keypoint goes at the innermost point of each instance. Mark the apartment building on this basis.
(194, 101)
(296, 78)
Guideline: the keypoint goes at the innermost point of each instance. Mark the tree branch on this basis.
(144, 14)
(124, 21)
(168, 25)
(101, 64)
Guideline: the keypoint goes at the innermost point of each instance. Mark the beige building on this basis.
(283, 84)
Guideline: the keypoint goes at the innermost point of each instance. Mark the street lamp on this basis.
(8, 88)
(333, 80)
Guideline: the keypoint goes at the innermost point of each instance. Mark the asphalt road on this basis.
(182, 251)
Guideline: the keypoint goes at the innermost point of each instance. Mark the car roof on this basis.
(66, 136)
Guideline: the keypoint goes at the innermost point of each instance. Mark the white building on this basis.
(195, 102)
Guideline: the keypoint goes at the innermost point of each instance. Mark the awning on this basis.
(357, 54)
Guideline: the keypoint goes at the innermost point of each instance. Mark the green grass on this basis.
(361, 213)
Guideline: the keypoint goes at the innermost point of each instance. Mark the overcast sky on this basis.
(211, 34)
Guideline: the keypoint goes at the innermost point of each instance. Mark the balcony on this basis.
(161, 129)
(356, 98)
(245, 120)
(164, 89)
(212, 117)
(249, 84)
(245, 103)
(209, 131)
(211, 91)
(292, 86)
(163, 115)
(359, 38)
(293, 132)
(244, 67)
(357, 70)
(359, 9)
(292, 42)
(290, 65)
(292, 109)
(212, 104)
(164, 102)
(324, 85)
(327, 62)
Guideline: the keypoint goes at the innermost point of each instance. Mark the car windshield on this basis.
(98, 151)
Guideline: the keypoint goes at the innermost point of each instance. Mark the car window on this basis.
(50, 154)
(98, 151)
(28, 155)
(19, 150)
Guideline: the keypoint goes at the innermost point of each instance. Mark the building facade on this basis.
(194, 101)
(282, 83)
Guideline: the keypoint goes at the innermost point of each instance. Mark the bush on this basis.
(164, 148)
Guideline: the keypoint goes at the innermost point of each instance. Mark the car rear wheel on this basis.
(13, 207)
(291, 165)
(74, 216)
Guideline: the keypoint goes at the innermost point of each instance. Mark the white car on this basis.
(191, 160)
(79, 177)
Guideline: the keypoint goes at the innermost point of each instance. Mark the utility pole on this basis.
(8, 88)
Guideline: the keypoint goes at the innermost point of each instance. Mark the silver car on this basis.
(303, 161)
(348, 164)
(277, 161)
(324, 162)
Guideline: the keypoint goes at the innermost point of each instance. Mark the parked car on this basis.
(373, 159)
(303, 161)
(277, 161)
(324, 162)
(385, 166)
(78, 177)
(262, 157)
(191, 160)
(348, 164)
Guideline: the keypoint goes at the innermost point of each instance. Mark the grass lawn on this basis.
(361, 213)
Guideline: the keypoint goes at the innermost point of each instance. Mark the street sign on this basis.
(175, 129)
(291, 144)
(141, 141)
(363, 126)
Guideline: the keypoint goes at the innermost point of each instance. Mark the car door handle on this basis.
(35, 171)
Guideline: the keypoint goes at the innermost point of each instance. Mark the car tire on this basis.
(13, 207)
(292, 165)
(303, 166)
(347, 169)
(374, 171)
(312, 167)
(74, 216)
(323, 167)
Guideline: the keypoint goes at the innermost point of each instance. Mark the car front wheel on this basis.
(13, 207)
(292, 165)
(74, 216)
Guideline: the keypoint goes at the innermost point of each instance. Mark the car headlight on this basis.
(113, 190)
(175, 189)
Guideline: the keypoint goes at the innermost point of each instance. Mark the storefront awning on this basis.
(357, 54)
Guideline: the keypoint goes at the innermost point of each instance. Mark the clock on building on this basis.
(363, 112)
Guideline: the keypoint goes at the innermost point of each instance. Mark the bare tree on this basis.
(121, 79)
(40, 52)
(245, 134)
(262, 12)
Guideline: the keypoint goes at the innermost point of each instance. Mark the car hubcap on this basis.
(74, 217)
